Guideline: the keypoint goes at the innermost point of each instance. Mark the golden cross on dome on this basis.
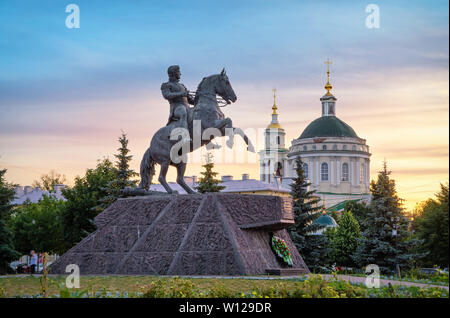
(328, 62)
(274, 107)
(328, 86)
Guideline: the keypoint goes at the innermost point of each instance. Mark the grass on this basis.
(152, 286)
(31, 285)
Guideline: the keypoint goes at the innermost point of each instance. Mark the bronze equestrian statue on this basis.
(189, 128)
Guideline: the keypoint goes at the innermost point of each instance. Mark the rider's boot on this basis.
(213, 146)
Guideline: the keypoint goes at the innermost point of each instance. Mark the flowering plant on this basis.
(281, 249)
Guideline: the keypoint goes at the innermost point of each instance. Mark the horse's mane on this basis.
(200, 86)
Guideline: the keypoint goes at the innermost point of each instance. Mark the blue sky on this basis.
(257, 40)
(60, 86)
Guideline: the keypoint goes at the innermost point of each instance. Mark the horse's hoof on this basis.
(230, 143)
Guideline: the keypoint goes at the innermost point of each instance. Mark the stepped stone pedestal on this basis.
(209, 234)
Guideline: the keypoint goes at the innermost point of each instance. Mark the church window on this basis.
(324, 147)
(362, 173)
(334, 147)
(278, 140)
(305, 148)
(344, 147)
(345, 172)
(331, 108)
(305, 170)
(324, 171)
(353, 147)
(314, 147)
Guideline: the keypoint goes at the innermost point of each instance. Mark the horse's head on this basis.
(224, 89)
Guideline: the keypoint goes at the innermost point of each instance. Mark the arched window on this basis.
(324, 147)
(344, 147)
(362, 173)
(345, 171)
(278, 140)
(305, 170)
(314, 147)
(305, 148)
(353, 147)
(324, 171)
(278, 169)
(334, 147)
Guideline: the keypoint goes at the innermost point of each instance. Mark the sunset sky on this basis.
(65, 94)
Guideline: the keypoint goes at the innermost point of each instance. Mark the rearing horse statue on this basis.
(202, 118)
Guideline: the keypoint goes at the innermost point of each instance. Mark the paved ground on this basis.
(351, 279)
(357, 279)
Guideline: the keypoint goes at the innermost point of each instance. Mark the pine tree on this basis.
(207, 183)
(313, 248)
(7, 251)
(386, 241)
(344, 239)
(123, 175)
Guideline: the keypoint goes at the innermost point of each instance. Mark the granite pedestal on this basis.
(210, 234)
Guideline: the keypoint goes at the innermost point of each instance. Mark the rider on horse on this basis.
(178, 97)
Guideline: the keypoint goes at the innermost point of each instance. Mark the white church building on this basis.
(336, 160)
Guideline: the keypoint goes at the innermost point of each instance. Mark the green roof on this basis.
(328, 126)
(340, 206)
(326, 220)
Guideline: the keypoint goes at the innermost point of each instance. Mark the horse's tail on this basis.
(147, 170)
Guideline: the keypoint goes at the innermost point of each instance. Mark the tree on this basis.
(7, 251)
(207, 183)
(313, 248)
(38, 226)
(359, 210)
(344, 239)
(432, 226)
(386, 241)
(123, 176)
(79, 211)
(48, 181)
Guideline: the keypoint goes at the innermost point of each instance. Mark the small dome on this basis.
(274, 126)
(328, 126)
(326, 220)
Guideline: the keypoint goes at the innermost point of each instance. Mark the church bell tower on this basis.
(328, 100)
(273, 156)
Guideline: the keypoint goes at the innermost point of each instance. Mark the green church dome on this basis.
(328, 126)
(325, 220)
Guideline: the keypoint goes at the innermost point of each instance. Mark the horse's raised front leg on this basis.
(181, 168)
(226, 124)
(162, 177)
(247, 141)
